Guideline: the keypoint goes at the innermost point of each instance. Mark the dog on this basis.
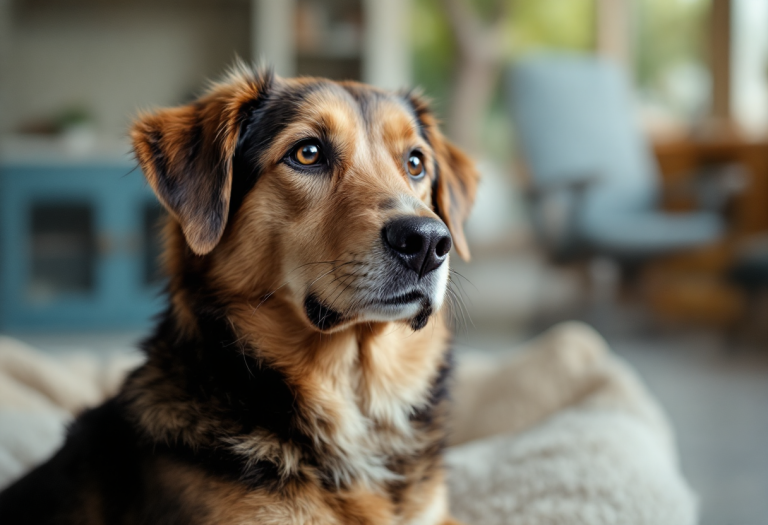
(299, 374)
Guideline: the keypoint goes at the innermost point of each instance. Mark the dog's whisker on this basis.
(302, 267)
(455, 272)
(459, 297)
(460, 284)
(343, 281)
(455, 306)
(461, 305)
(335, 268)
(267, 296)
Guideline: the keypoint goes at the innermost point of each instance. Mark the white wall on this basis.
(114, 60)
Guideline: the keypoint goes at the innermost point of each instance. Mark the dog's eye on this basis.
(416, 165)
(307, 153)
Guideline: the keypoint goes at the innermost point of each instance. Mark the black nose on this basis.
(420, 243)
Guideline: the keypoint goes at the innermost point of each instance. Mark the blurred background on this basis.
(623, 146)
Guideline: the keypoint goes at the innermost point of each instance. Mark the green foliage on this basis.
(669, 32)
(553, 24)
(433, 51)
(671, 69)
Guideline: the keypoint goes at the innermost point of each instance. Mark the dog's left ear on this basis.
(186, 154)
(453, 190)
(455, 183)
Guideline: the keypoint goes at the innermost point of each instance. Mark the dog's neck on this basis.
(262, 384)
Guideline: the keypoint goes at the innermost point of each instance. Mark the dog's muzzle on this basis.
(408, 284)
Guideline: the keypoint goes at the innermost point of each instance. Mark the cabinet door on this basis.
(72, 248)
(132, 282)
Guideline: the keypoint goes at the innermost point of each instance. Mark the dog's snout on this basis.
(421, 243)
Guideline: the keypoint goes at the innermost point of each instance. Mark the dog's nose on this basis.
(420, 243)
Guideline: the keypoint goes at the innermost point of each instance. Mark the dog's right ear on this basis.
(186, 154)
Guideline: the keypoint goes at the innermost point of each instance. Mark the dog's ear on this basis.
(456, 178)
(186, 154)
(453, 190)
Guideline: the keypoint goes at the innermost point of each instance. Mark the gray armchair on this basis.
(595, 185)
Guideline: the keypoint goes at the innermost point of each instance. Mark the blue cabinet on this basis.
(78, 247)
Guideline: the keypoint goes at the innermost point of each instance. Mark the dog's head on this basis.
(337, 198)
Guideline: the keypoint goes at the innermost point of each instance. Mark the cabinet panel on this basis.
(73, 248)
(62, 250)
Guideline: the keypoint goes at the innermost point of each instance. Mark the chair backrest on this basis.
(574, 119)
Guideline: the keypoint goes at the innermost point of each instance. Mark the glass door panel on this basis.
(62, 249)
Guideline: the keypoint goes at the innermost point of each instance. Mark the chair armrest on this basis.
(573, 184)
(562, 241)
(711, 187)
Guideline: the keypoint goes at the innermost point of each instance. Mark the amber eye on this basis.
(308, 153)
(416, 165)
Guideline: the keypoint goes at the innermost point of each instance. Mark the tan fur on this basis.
(224, 503)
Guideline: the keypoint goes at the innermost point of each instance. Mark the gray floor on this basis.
(719, 406)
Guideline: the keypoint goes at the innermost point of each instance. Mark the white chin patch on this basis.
(392, 312)
(441, 278)
(418, 310)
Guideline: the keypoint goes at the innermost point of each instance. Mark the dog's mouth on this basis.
(321, 315)
(404, 298)
(383, 290)
(413, 305)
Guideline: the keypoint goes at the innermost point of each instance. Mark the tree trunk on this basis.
(472, 93)
(480, 45)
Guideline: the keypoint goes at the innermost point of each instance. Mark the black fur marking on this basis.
(419, 110)
(103, 467)
(193, 188)
(439, 393)
(223, 376)
(263, 120)
(195, 143)
(236, 392)
(417, 114)
(424, 418)
(435, 182)
(365, 99)
(154, 140)
(320, 315)
(228, 465)
(421, 319)
(245, 173)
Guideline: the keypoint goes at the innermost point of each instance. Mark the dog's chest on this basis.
(372, 463)
(226, 503)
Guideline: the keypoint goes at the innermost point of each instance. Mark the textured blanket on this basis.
(558, 432)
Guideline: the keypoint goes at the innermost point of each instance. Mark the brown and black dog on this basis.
(299, 372)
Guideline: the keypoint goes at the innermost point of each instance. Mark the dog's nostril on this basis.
(443, 246)
(413, 244)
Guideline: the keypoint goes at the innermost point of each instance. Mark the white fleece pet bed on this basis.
(559, 432)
